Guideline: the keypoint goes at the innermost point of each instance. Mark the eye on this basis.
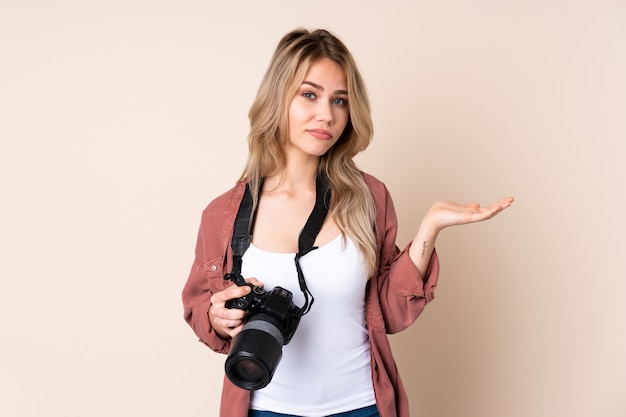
(340, 101)
(309, 95)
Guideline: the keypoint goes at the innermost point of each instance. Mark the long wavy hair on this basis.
(352, 206)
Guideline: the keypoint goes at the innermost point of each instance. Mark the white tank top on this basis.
(325, 369)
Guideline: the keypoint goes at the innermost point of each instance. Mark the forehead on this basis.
(327, 73)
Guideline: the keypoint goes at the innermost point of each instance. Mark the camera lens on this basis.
(248, 370)
(255, 353)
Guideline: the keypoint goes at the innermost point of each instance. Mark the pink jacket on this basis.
(395, 296)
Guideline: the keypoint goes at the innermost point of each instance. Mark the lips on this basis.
(320, 134)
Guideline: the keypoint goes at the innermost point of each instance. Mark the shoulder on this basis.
(376, 186)
(217, 223)
(226, 202)
(386, 219)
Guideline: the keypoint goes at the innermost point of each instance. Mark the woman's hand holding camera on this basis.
(228, 322)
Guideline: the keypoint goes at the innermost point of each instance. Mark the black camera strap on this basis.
(244, 223)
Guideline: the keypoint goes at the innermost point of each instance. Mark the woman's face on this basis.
(319, 112)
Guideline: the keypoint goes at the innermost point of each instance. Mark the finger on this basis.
(228, 324)
(229, 293)
(506, 202)
(254, 282)
(502, 204)
(225, 313)
(219, 313)
(471, 205)
(234, 332)
(496, 208)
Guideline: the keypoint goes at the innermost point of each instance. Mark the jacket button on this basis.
(213, 267)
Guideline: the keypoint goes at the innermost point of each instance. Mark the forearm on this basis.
(423, 245)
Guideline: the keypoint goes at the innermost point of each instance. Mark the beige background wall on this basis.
(120, 120)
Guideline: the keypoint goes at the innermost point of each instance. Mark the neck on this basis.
(296, 175)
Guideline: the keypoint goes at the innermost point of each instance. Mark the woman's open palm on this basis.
(444, 214)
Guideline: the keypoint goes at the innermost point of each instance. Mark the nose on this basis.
(325, 112)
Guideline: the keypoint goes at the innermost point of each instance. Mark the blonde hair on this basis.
(352, 206)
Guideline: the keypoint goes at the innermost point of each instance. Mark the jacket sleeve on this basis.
(205, 279)
(402, 291)
(213, 256)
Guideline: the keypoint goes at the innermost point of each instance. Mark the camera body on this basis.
(257, 349)
(277, 303)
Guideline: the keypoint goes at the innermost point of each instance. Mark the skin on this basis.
(318, 115)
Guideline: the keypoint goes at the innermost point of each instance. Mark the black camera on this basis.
(257, 349)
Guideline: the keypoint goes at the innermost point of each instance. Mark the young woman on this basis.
(310, 118)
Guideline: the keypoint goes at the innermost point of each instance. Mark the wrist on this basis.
(429, 229)
(423, 245)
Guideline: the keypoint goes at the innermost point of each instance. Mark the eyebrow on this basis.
(319, 87)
